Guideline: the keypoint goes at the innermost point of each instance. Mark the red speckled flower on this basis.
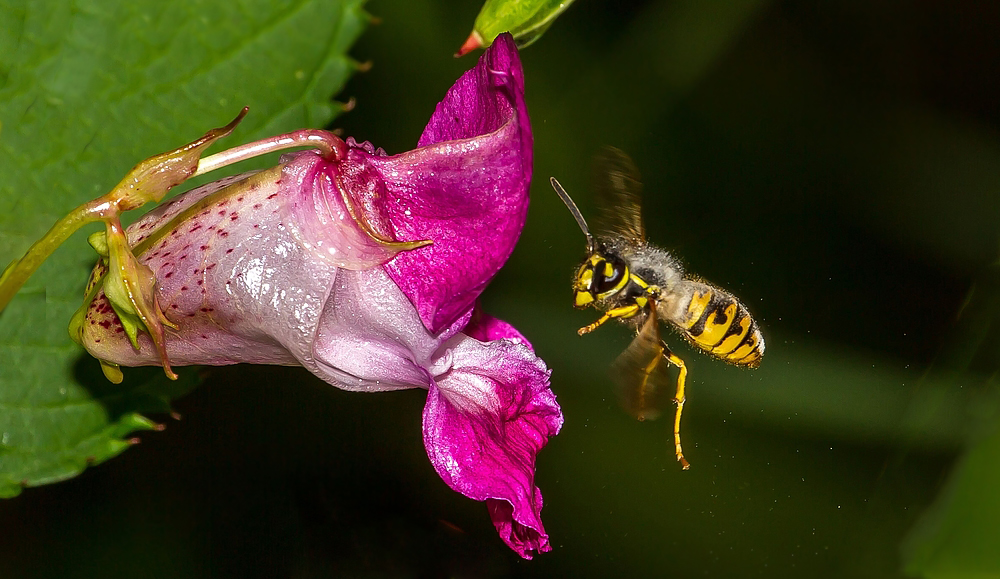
(304, 264)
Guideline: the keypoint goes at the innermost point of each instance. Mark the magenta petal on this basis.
(485, 420)
(483, 99)
(466, 188)
(486, 328)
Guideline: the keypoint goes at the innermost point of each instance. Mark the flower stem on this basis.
(332, 146)
(18, 272)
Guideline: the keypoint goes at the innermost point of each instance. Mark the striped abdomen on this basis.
(718, 323)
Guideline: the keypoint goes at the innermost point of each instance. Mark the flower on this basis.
(307, 263)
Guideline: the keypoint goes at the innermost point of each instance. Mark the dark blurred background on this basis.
(834, 164)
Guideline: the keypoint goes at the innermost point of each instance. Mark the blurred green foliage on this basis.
(957, 537)
(835, 165)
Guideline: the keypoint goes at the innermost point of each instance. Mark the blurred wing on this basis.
(640, 372)
(619, 195)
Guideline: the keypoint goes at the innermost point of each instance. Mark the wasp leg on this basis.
(679, 400)
(622, 312)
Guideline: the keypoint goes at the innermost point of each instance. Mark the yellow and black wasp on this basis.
(638, 283)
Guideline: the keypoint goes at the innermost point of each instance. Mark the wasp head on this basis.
(600, 277)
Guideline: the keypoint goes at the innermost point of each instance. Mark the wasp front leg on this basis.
(620, 312)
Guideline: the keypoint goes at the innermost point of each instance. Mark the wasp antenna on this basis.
(574, 210)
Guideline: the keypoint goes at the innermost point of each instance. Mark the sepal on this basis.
(130, 286)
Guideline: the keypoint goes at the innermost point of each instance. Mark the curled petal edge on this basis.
(484, 423)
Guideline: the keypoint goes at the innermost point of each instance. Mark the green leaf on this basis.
(88, 89)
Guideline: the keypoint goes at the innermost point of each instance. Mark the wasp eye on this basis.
(608, 276)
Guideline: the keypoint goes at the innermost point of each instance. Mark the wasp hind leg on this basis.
(678, 399)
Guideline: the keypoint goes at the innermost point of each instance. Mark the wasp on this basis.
(640, 284)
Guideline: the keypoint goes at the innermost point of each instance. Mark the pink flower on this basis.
(291, 266)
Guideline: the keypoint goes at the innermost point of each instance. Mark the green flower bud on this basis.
(526, 20)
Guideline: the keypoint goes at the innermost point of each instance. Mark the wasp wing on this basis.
(640, 372)
(619, 195)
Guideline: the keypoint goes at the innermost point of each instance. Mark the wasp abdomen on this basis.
(718, 323)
